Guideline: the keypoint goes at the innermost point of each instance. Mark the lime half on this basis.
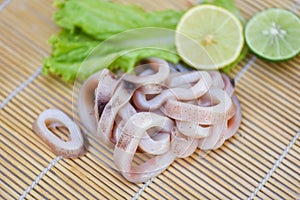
(274, 34)
(209, 37)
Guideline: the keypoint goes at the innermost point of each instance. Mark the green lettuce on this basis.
(89, 23)
(102, 19)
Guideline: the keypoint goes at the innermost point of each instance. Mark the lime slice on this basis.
(209, 37)
(274, 34)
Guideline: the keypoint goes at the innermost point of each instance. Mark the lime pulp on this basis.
(209, 37)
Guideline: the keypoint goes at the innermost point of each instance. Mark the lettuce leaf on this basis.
(89, 23)
(102, 19)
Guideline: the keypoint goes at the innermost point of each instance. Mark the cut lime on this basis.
(209, 37)
(274, 34)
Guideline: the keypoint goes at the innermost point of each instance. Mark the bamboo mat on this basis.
(261, 161)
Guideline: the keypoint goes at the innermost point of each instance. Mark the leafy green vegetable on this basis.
(102, 19)
(86, 24)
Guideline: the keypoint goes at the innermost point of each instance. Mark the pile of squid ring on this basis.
(159, 111)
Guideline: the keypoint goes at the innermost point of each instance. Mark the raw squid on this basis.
(162, 112)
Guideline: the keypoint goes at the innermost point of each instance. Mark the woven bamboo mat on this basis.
(261, 161)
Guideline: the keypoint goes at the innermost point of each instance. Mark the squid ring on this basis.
(201, 115)
(70, 149)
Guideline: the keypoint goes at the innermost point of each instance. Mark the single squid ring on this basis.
(70, 149)
(178, 110)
